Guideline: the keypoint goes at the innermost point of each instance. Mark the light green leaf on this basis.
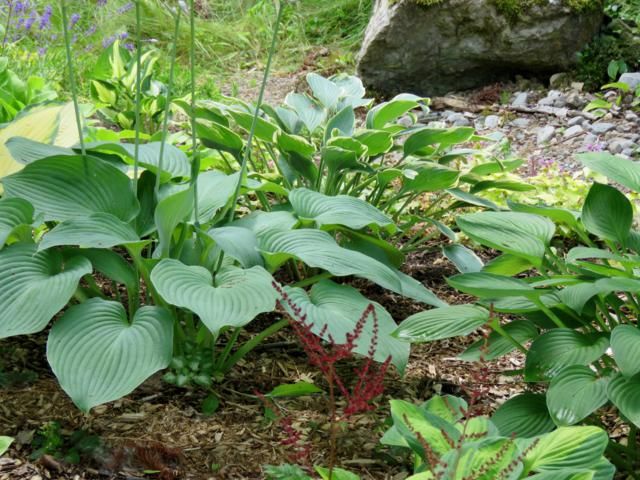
(338, 210)
(465, 260)
(567, 447)
(239, 243)
(68, 187)
(100, 230)
(575, 393)
(5, 443)
(439, 323)
(324, 90)
(618, 169)
(336, 474)
(442, 137)
(34, 286)
(507, 264)
(235, 298)
(339, 307)
(431, 177)
(521, 234)
(219, 137)
(557, 214)
(170, 212)
(559, 348)
(311, 114)
(384, 113)
(488, 285)
(298, 389)
(625, 343)
(98, 356)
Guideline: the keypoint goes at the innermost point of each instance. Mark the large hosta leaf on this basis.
(625, 342)
(318, 249)
(14, 212)
(567, 447)
(52, 123)
(170, 212)
(524, 415)
(235, 298)
(99, 356)
(67, 187)
(444, 322)
(521, 234)
(174, 161)
(560, 348)
(339, 210)
(575, 393)
(339, 307)
(100, 230)
(239, 243)
(493, 457)
(34, 286)
(607, 213)
(487, 285)
(625, 394)
(619, 169)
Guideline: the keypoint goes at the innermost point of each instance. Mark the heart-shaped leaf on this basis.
(5, 443)
(524, 415)
(338, 210)
(98, 356)
(560, 348)
(619, 169)
(625, 342)
(34, 286)
(311, 114)
(239, 243)
(625, 394)
(387, 112)
(521, 234)
(100, 230)
(324, 90)
(235, 298)
(575, 393)
(444, 322)
(607, 213)
(339, 307)
(14, 212)
(68, 187)
(488, 285)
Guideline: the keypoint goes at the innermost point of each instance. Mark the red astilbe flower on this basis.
(324, 355)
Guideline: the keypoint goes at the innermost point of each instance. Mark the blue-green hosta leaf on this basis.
(259, 221)
(239, 243)
(311, 114)
(318, 249)
(111, 264)
(576, 296)
(619, 169)
(488, 285)
(67, 187)
(344, 122)
(495, 346)
(575, 393)
(298, 154)
(235, 298)
(99, 356)
(339, 210)
(264, 130)
(466, 198)
(34, 286)
(14, 212)
(100, 230)
(465, 260)
(567, 447)
(339, 307)
(175, 163)
(524, 415)
(521, 234)
(24, 150)
(443, 322)
(324, 90)
(625, 343)
(625, 394)
(607, 213)
(559, 348)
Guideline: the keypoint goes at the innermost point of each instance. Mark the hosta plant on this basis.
(415, 173)
(568, 284)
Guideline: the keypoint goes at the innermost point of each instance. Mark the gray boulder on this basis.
(462, 44)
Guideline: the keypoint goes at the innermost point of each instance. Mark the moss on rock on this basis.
(514, 8)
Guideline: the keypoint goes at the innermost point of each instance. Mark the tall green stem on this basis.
(195, 166)
(138, 93)
(167, 107)
(72, 78)
(254, 122)
(7, 26)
